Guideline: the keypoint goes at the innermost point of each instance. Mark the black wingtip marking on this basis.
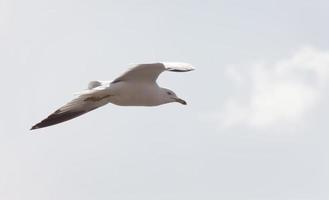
(179, 70)
(34, 127)
(57, 118)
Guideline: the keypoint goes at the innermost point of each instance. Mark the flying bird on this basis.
(135, 87)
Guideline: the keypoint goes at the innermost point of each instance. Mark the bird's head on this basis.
(170, 96)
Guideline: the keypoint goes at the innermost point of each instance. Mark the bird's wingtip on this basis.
(34, 127)
(178, 66)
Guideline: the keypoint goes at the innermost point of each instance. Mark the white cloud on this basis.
(279, 92)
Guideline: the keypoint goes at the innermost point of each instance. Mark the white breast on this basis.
(135, 94)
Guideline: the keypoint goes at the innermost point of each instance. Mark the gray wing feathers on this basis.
(73, 109)
(93, 84)
(142, 72)
(150, 72)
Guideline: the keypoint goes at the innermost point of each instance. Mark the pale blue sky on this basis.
(255, 127)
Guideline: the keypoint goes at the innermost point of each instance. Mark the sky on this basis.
(255, 127)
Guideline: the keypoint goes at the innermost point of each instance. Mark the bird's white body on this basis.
(136, 87)
(135, 94)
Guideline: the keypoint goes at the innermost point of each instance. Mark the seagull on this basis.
(135, 87)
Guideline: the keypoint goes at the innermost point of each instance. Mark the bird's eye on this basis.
(169, 93)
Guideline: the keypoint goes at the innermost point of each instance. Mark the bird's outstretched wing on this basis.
(150, 72)
(84, 103)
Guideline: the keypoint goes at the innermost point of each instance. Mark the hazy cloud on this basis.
(278, 92)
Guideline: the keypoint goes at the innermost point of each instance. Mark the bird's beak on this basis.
(180, 101)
